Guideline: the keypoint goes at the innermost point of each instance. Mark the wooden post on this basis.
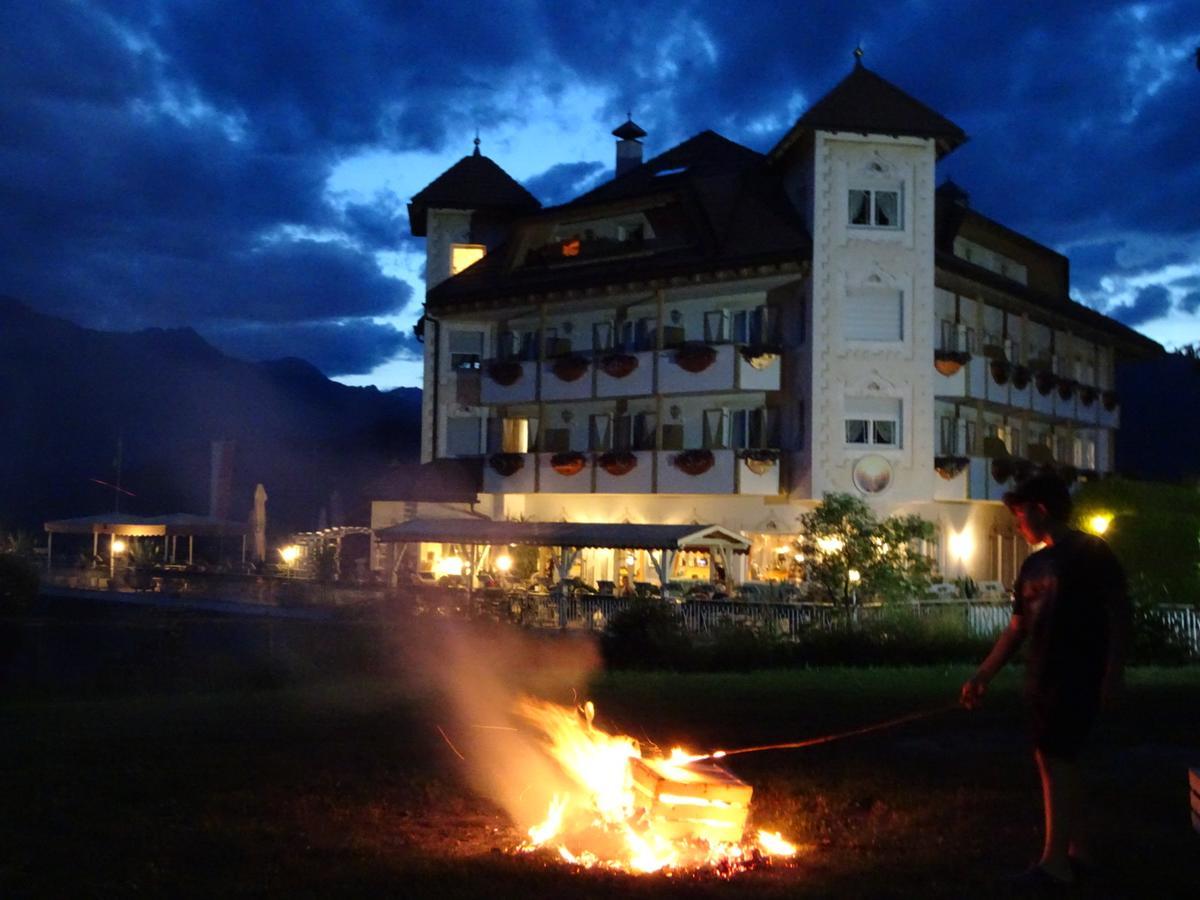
(191, 548)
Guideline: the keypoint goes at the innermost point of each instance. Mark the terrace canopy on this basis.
(569, 538)
(167, 527)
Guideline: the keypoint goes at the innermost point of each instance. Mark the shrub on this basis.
(1154, 641)
(18, 584)
(646, 635)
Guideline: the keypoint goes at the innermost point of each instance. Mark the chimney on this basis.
(629, 147)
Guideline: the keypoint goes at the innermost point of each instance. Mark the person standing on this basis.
(1071, 610)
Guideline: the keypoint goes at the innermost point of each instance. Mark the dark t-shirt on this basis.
(1063, 595)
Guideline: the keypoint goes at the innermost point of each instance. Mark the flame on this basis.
(609, 821)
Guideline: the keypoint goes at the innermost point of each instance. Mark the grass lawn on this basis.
(347, 789)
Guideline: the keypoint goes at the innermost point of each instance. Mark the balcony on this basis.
(696, 471)
(708, 368)
(565, 473)
(568, 377)
(510, 473)
(624, 472)
(507, 381)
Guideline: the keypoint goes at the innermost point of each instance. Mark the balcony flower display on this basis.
(505, 372)
(1020, 377)
(1045, 382)
(1087, 394)
(759, 461)
(1066, 387)
(694, 462)
(506, 464)
(1002, 469)
(948, 362)
(1109, 399)
(950, 467)
(571, 367)
(617, 462)
(568, 463)
(760, 356)
(618, 365)
(695, 357)
(1000, 371)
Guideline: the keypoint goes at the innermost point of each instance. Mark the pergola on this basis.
(571, 538)
(169, 527)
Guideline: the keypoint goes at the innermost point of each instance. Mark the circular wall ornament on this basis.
(872, 474)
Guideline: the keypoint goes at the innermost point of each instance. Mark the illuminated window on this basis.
(464, 255)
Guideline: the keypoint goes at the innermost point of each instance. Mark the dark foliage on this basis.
(647, 635)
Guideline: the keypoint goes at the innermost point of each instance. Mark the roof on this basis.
(564, 534)
(439, 481)
(733, 208)
(629, 131)
(865, 103)
(148, 526)
(474, 182)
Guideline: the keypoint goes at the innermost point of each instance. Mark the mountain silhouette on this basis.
(69, 396)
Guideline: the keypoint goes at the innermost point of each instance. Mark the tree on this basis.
(851, 555)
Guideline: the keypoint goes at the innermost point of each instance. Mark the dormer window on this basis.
(464, 255)
(875, 208)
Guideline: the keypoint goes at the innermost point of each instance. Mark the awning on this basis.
(128, 525)
(616, 535)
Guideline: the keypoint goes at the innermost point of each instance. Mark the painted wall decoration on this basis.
(872, 474)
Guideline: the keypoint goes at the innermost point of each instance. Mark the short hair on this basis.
(1045, 488)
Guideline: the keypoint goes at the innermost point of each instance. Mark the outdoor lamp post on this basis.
(290, 554)
(116, 546)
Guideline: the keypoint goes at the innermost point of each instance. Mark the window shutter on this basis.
(873, 315)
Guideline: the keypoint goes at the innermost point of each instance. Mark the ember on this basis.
(642, 814)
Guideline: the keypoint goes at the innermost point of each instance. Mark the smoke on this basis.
(477, 673)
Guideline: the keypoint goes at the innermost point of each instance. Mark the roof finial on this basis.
(476, 153)
(858, 54)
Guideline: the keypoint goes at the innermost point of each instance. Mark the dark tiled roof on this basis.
(629, 131)
(735, 213)
(474, 182)
(865, 103)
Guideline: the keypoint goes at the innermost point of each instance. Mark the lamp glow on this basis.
(630, 560)
(854, 575)
(830, 544)
(119, 546)
(448, 565)
(1098, 524)
(504, 562)
(289, 554)
(962, 545)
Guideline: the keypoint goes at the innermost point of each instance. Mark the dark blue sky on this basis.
(242, 168)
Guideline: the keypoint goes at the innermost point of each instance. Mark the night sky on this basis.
(243, 168)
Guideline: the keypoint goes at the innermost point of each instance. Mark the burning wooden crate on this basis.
(698, 800)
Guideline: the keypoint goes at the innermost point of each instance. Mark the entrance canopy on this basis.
(128, 525)
(566, 534)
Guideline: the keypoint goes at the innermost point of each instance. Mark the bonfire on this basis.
(638, 813)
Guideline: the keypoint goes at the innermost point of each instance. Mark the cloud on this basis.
(564, 181)
(1152, 302)
(1190, 303)
(336, 348)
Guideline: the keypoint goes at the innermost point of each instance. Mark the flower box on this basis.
(694, 462)
(1000, 371)
(1066, 387)
(571, 367)
(760, 356)
(1045, 382)
(1109, 399)
(1087, 395)
(569, 463)
(950, 467)
(617, 462)
(505, 372)
(948, 362)
(507, 464)
(618, 365)
(695, 357)
(1020, 377)
(759, 461)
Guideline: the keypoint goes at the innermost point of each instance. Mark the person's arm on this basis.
(1002, 651)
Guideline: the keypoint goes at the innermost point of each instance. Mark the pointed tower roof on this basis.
(474, 182)
(629, 130)
(865, 103)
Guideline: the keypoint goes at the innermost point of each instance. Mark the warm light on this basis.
(1098, 524)
(448, 565)
(630, 560)
(570, 247)
(854, 575)
(782, 551)
(962, 545)
(119, 546)
(830, 544)
(464, 255)
(504, 562)
(799, 557)
(290, 553)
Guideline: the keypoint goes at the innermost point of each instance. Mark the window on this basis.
(715, 425)
(464, 255)
(971, 433)
(872, 421)
(600, 432)
(645, 427)
(602, 336)
(873, 208)
(756, 429)
(514, 436)
(874, 315)
(948, 432)
(716, 326)
(463, 436)
(622, 432)
(466, 349)
(755, 326)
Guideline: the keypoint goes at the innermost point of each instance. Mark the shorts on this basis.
(1061, 727)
